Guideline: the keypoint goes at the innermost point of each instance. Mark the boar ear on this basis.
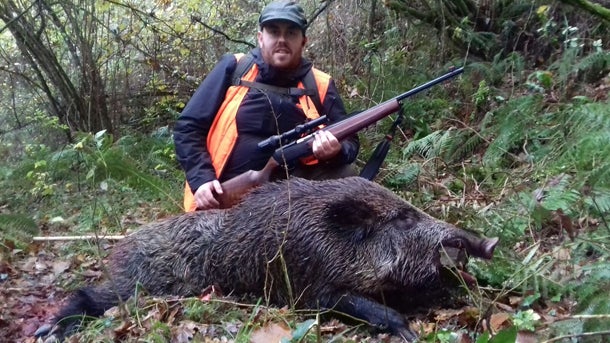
(350, 212)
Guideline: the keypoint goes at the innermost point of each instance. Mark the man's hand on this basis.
(325, 145)
(204, 196)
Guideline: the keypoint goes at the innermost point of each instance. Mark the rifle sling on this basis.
(292, 91)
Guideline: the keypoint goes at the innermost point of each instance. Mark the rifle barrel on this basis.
(429, 84)
(363, 119)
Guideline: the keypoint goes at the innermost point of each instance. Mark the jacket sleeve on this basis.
(193, 124)
(335, 110)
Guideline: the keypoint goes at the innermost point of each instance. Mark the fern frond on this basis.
(565, 66)
(18, 227)
(445, 144)
(404, 175)
(514, 122)
(468, 144)
(599, 176)
(587, 117)
(587, 141)
(495, 72)
(423, 146)
(599, 200)
(595, 63)
(116, 165)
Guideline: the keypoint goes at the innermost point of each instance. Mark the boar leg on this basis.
(374, 313)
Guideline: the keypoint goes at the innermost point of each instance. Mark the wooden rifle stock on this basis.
(235, 188)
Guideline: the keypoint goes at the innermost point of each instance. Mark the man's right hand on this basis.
(204, 196)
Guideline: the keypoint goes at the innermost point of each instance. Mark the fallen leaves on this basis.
(273, 332)
(31, 294)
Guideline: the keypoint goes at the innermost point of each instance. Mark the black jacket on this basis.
(259, 116)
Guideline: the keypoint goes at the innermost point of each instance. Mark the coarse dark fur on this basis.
(343, 244)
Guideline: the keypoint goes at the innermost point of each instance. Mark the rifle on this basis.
(236, 187)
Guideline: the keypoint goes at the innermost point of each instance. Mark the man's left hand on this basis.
(325, 145)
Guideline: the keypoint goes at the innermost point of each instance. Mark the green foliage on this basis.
(402, 175)
(593, 307)
(101, 159)
(16, 230)
(508, 335)
(442, 336)
(211, 311)
(434, 145)
(500, 68)
(506, 128)
(594, 66)
(526, 320)
(300, 332)
(96, 181)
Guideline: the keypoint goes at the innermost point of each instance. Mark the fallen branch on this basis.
(76, 238)
(583, 334)
(594, 8)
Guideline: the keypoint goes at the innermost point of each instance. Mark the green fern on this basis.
(599, 175)
(465, 143)
(495, 71)
(565, 66)
(595, 65)
(423, 146)
(562, 197)
(509, 127)
(132, 161)
(403, 175)
(587, 142)
(599, 201)
(18, 228)
(434, 145)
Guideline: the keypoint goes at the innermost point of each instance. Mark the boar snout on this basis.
(475, 246)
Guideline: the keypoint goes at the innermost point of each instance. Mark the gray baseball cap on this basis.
(284, 10)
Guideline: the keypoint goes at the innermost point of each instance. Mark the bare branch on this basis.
(198, 20)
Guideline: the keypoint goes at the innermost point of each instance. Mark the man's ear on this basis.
(304, 40)
(259, 37)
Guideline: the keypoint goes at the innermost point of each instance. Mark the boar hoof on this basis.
(407, 335)
(488, 246)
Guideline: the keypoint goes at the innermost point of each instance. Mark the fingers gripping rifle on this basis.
(236, 187)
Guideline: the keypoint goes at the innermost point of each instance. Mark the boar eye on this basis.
(362, 233)
(405, 220)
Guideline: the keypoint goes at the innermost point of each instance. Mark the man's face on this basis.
(281, 44)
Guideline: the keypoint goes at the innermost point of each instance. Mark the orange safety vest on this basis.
(223, 132)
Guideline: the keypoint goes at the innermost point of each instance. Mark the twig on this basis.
(585, 316)
(583, 334)
(76, 238)
(216, 31)
(318, 11)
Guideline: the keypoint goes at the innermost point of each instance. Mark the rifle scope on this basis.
(276, 141)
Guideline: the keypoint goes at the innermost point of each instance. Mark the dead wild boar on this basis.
(343, 243)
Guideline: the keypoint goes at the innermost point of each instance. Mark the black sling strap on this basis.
(309, 82)
(372, 166)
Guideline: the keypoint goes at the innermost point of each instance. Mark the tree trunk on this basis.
(80, 108)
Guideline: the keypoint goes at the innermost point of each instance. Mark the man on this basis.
(216, 135)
